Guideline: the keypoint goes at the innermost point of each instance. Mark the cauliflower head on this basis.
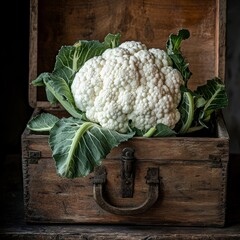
(129, 83)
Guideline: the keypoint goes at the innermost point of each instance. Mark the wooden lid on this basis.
(55, 23)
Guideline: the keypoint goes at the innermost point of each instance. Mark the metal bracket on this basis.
(34, 156)
(152, 176)
(216, 161)
(127, 172)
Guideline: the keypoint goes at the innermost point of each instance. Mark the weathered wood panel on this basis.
(190, 149)
(13, 226)
(190, 194)
(57, 23)
(182, 148)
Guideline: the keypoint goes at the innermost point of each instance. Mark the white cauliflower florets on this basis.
(129, 82)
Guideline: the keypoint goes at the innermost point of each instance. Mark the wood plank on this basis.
(33, 52)
(72, 232)
(190, 194)
(182, 148)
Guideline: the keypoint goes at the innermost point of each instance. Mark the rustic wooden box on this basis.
(178, 180)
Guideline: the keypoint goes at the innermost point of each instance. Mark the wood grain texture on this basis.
(106, 232)
(13, 226)
(193, 176)
(64, 22)
(190, 194)
(174, 148)
(33, 52)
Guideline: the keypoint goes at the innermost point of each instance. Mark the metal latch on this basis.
(127, 172)
(152, 180)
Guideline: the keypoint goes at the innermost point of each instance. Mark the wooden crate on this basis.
(179, 181)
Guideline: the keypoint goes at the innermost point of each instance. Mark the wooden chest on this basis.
(178, 181)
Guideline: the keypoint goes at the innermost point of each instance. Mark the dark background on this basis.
(14, 72)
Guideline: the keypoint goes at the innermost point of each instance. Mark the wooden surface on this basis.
(13, 226)
(55, 23)
(192, 189)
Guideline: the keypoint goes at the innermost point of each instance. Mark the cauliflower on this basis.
(121, 84)
(129, 83)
